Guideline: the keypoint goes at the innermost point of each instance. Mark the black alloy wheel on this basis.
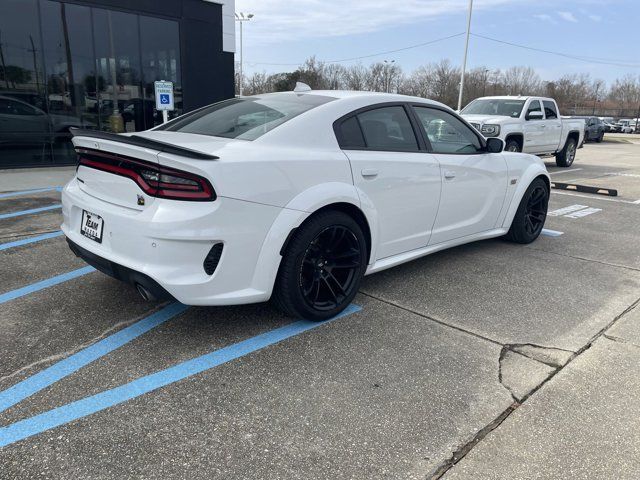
(330, 268)
(536, 210)
(531, 215)
(322, 267)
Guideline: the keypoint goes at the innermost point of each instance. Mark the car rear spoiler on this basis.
(142, 142)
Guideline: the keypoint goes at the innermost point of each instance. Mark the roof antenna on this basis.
(302, 87)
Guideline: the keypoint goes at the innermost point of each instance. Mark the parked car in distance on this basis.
(527, 124)
(593, 128)
(608, 126)
(626, 125)
(293, 196)
(23, 124)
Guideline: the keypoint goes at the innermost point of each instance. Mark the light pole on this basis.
(388, 67)
(466, 49)
(486, 78)
(242, 17)
(595, 100)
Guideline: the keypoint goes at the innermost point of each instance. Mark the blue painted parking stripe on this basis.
(103, 400)
(29, 212)
(50, 282)
(27, 241)
(28, 192)
(75, 362)
(551, 233)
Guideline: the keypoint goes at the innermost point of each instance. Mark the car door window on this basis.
(446, 133)
(534, 106)
(550, 110)
(387, 128)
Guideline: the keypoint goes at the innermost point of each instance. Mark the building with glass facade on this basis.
(93, 64)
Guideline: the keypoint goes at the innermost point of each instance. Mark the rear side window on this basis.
(388, 128)
(245, 118)
(550, 109)
(350, 135)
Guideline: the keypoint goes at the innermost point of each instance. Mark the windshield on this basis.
(245, 118)
(500, 108)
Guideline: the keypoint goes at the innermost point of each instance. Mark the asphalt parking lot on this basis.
(491, 360)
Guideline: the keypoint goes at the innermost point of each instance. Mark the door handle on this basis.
(449, 174)
(369, 172)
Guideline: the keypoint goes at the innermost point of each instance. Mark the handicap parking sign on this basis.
(164, 95)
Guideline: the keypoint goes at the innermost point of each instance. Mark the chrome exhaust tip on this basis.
(145, 293)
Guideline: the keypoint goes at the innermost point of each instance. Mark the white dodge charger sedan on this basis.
(293, 196)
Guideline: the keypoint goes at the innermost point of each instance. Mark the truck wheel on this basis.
(512, 146)
(531, 214)
(567, 155)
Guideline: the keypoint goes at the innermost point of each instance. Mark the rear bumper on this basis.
(163, 246)
(120, 272)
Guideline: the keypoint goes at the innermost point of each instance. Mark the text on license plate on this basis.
(92, 226)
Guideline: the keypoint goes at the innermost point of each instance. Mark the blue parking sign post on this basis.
(164, 98)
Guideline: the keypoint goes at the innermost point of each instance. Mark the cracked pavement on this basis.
(490, 360)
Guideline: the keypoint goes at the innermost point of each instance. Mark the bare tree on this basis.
(356, 77)
(576, 94)
(522, 81)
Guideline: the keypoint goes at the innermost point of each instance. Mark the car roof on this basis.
(514, 97)
(374, 97)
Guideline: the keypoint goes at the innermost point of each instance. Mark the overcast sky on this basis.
(287, 32)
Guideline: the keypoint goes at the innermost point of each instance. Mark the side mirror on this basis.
(535, 115)
(495, 145)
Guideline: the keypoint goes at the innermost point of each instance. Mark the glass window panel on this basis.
(160, 43)
(119, 86)
(25, 130)
(70, 73)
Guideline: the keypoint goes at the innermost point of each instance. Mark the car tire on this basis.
(322, 267)
(600, 138)
(531, 215)
(567, 155)
(512, 146)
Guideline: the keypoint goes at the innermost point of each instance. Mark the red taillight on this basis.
(153, 179)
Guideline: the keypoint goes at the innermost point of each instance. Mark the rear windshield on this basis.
(245, 118)
(498, 107)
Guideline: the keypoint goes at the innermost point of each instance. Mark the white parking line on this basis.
(583, 213)
(565, 171)
(632, 175)
(565, 210)
(551, 233)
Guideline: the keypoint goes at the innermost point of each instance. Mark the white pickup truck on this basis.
(527, 124)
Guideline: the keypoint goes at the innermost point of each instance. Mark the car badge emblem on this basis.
(140, 200)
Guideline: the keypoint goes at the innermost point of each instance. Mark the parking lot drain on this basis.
(95, 403)
(27, 241)
(49, 282)
(75, 362)
(29, 192)
(29, 212)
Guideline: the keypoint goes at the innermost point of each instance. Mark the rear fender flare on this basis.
(292, 216)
